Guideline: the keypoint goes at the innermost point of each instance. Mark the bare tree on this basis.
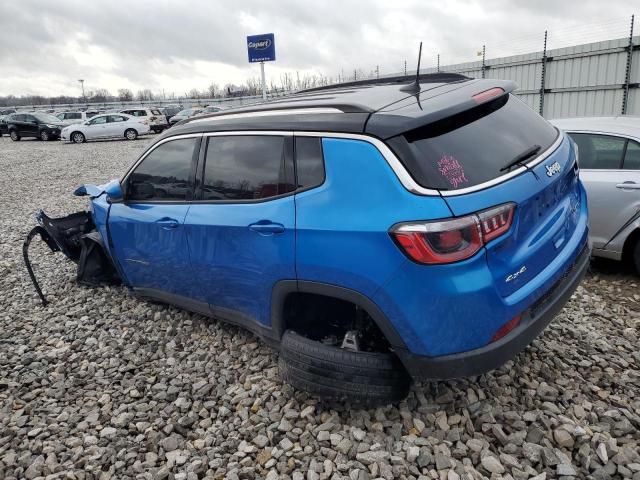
(213, 90)
(125, 95)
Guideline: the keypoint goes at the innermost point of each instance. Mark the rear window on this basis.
(472, 147)
(156, 112)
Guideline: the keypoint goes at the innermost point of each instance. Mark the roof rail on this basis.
(441, 77)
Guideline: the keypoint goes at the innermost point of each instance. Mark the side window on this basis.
(247, 168)
(632, 156)
(141, 113)
(309, 162)
(599, 152)
(165, 174)
(18, 118)
(98, 121)
(74, 116)
(116, 118)
(29, 118)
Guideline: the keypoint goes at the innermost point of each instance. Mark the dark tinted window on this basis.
(309, 162)
(246, 168)
(632, 156)
(599, 152)
(165, 174)
(471, 147)
(74, 116)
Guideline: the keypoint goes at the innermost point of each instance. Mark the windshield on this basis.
(46, 118)
(474, 146)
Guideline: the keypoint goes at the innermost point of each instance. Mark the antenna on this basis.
(414, 87)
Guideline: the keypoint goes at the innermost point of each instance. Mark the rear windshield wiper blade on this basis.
(528, 153)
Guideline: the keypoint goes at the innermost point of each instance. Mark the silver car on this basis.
(609, 159)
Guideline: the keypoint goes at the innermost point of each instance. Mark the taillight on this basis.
(448, 241)
(496, 221)
(488, 94)
(506, 328)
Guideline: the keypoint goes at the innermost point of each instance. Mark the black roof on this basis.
(380, 108)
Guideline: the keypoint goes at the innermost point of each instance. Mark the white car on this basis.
(149, 116)
(112, 125)
(609, 160)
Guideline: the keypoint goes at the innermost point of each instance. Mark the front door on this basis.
(241, 231)
(97, 127)
(610, 171)
(147, 228)
(29, 128)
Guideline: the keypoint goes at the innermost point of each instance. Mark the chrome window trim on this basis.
(392, 160)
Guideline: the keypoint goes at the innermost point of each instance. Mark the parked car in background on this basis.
(38, 125)
(149, 116)
(7, 111)
(170, 110)
(184, 114)
(609, 159)
(118, 125)
(211, 109)
(3, 125)
(372, 245)
(69, 118)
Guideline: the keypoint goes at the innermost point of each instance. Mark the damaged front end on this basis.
(77, 237)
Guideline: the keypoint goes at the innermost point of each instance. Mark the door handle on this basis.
(267, 227)
(628, 186)
(168, 223)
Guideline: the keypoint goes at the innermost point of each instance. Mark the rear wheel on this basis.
(636, 256)
(44, 136)
(364, 378)
(14, 135)
(130, 134)
(78, 137)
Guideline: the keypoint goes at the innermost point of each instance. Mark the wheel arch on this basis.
(286, 288)
(629, 243)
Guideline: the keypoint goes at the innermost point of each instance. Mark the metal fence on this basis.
(591, 79)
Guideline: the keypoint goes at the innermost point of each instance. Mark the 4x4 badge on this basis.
(553, 169)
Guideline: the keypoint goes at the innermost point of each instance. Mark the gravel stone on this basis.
(102, 385)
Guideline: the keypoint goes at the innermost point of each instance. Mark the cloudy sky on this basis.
(179, 45)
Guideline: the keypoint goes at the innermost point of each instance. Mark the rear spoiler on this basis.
(432, 105)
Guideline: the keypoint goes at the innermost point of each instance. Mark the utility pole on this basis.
(483, 59)
(405, 68)
(544, 74)
(438, 67)
(377, 71)
(82, 84)
(627, 78)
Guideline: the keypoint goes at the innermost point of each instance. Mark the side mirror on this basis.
(114, 192)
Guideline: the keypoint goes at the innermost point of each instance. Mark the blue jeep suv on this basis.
(371, 234)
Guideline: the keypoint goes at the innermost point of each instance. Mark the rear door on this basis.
(610, 170)
(241, 230)
(467, 158)
(147, 228)
(29, 127)
(115, 125)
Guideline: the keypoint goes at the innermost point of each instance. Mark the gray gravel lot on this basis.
(100, 385)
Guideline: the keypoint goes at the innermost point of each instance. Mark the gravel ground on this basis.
(100, 385)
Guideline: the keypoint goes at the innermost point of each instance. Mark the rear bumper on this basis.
(493, 355)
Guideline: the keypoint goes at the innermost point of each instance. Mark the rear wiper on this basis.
(528, 153)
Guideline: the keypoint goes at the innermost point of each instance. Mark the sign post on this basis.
(261, 48)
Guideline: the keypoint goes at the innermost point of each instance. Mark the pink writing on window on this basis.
(451, 169)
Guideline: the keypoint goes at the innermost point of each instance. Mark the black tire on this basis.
(130, 134)
(15, 136)
(44, 136)
(77, 137)
(363, 378)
